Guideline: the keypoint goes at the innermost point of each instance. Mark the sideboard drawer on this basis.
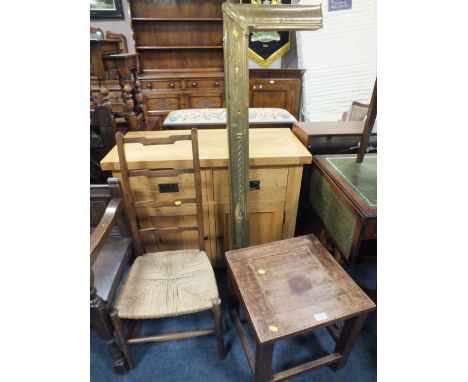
(160, 84)
(211, 83)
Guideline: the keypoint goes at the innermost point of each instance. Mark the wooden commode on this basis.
(276, 161)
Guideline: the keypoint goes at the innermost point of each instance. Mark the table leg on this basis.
(348, 337)
(233, 302)
(263, 359)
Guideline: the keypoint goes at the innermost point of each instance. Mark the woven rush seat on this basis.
(164, 284)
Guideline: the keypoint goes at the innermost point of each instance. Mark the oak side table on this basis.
(290, 287)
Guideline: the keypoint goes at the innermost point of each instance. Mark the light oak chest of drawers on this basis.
(276, 161)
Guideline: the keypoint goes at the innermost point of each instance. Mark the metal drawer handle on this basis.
(194, 84)
(217, 83)
(149, 86)
(168, 187)
(172, 85)
(254, 185)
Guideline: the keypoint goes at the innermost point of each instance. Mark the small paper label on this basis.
(203, 156)
(273, 329)
(320, 316)
(261, 272)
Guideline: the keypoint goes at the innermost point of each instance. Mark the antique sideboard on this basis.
(168, 90)
(276, 163)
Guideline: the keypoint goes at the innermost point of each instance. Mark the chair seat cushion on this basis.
(164, 284)
(257, 115)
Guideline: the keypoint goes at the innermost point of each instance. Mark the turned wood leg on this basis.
(120, 331)
(218, 324)
(348, 337)
(263, 359)
(102, 326)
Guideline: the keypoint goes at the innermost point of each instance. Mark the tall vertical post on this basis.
(238, 21)
(236, 41)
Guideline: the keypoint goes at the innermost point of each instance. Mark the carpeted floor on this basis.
(196, 359)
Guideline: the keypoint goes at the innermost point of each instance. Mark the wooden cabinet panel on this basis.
(205, 101)
(266, 223)
(164, 102)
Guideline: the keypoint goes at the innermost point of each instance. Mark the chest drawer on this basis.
(266, 184)
(160, 84)
(204, 83)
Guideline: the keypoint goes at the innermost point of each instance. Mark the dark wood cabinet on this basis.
(173, 90)
(180, 46)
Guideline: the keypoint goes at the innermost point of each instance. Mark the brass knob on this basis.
(149, 86)
(217, 83)
(172, 85)
(194, 84)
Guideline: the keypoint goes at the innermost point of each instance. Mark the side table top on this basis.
(292, 286)
(356, 180)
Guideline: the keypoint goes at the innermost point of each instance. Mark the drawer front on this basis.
(266, 184)
(163, 103)
(204, 84)
(170, 188)
(160, 84)
(205, 102)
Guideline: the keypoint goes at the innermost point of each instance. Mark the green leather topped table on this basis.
(343, 193)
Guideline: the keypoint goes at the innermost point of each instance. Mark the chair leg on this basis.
(216, 311)
(120, 331)
(102, 326)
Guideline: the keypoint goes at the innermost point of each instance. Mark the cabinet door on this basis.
(283, 94)
(266, 224)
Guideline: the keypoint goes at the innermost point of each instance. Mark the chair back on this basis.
(132, 205)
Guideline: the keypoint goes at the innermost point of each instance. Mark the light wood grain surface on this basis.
(268, 146)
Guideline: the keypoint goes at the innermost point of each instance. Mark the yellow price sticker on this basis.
(273, 329)
(261, 272)
(177, 202)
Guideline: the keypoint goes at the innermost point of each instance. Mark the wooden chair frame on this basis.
(128, 338)
(108, 198)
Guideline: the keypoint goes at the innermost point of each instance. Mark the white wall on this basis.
(118, 26)
(340, 60)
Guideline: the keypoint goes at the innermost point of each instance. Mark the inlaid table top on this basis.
(293, 286)
(356, 180)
